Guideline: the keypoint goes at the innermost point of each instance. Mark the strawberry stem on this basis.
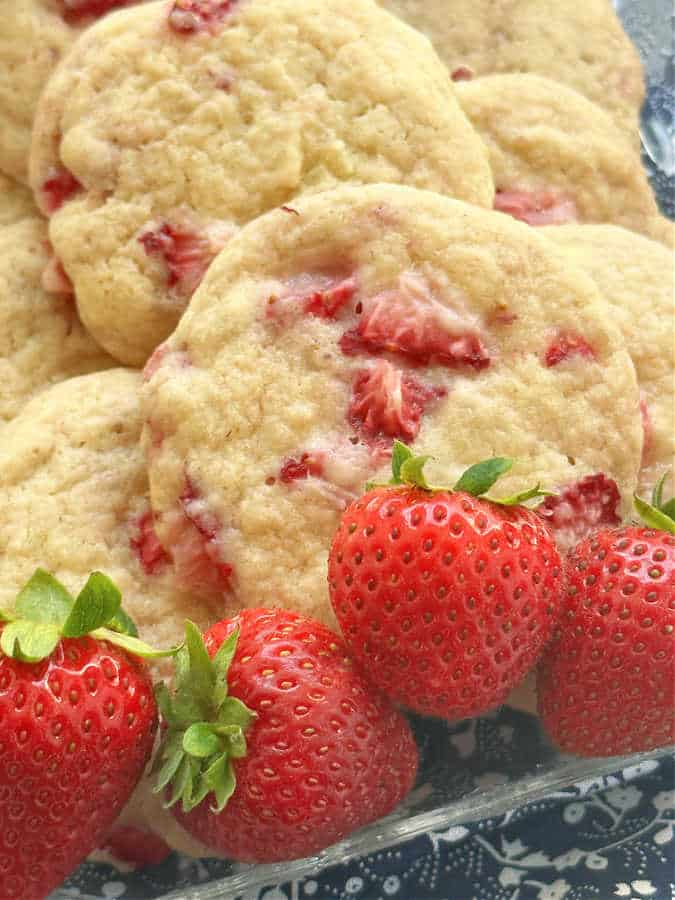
(657, 514)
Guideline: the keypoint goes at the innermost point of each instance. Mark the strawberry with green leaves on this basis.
(446, 597)
(607, 683)
(78, 724)
(274, 746)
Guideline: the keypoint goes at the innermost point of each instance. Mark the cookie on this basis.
(42, 340)
(74, 493)
(32, 40)
(164, 130)
(16, 201)
(556, 157)
(581, 45)
(635, 278)
(370, 314)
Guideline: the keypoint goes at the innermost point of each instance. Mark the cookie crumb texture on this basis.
(556, 157)
(74, 490)
(236, 112)
(308, 348)
(42, 341)
(16, 201)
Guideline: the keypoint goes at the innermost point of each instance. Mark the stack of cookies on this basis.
(246, 245)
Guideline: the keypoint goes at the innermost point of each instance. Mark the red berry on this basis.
(542, 207)
(77, 732)
(325, 755)
(582, 508)
(136, 847)
(59, 186)
(389, 403)
(75, 12)
(606, 684)
(445, 600)
(145, 544)
(563, 346)
(410, 322)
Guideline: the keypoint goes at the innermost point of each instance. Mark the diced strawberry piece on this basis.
(295, 469)
(462, 73)
(410, 322)
(77, 11)
(59, 186)
(582, 508)
(136, 847)
(193, 538)
(388, 403)
(186, 252)
(565, 345)
(322, 296)
(190, 16)
(647, 429)
(543, 207)
(145, 544)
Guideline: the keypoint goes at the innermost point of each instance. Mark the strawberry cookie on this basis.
(32, 40)
(41, 338)
(578, 44)
(16, 201)
(635, 278)
(556, 157)
(74, 493)
(366, 315)
(170, 125)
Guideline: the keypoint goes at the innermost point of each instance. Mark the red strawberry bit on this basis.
(194, 542)
(410, 322)
(543, 207)
(565, 345)
(647, 429)
(321, 296)
(136, 847)
(294, 469)
(582, 508)
(77, 11)
(185, 252)
(145, 544)
(388, 403)
(462, 73)
(59, 186)
(191, 16)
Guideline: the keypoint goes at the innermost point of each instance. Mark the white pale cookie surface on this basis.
(319, 336)
(74, 491)
(578, 44)
(16, 201)
(556, 157)
(42, 340)
(635, 278)
(155, 140)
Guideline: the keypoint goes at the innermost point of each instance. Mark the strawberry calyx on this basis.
(408, 471)
(45, 612)
(205, 727)
(657, 514)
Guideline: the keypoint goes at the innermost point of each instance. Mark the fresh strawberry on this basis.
(78, 723)
(274, 746)
(59, 186)
(410, 321)
(445, 599)
(75, 12)
(190, 16)
(607, 685)
(565, 345)
(136, 847)
(582, 508)
(389, 403)
(542, 207)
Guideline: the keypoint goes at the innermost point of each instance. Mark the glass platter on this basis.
(473, 769)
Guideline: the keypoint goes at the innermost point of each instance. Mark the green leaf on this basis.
(669, 508)
(221, 664)
(6, 615)
(652, 516)
(479, 478)
(657, 493)
(123, 623)
(97, 603)
(233, 712)
(411, 472)
(44, 599)
(29, 641)
(132, 645)
(237, 745)
(179, 783)
(221, 781)
(522, 497)
(164, 702)
(167, 766)
(199, 675)
(399, 454)
(200, 741)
